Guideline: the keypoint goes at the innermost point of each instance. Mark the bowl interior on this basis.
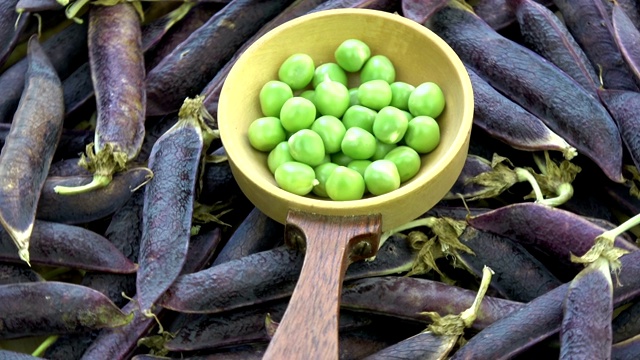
(418, 55)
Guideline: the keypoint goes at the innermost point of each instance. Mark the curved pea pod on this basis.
(555, 231)
(66, 50)
(43, 308)
(12, 355)
(29, 147)
(473, 166)
(626, 350)
(37, 5)
(535, 84)
(208, 49)
(624, 107)
(14, 273)
(67, 168)
(627, 36)
(425, 346)
(587, 313)
(12, 25)
(510, 123)
(166, 221)
(627, 324)
(544, 33)
(72, 142)
(54, 244)
(153, 132)
(591, 27)
(94, 205)
(117, 73)
(242, 282)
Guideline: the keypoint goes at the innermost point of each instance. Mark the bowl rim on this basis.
(328, 206)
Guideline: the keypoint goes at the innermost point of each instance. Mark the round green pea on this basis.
(381, 177)
(331, 70)
(374, 94)
(322, 174)
(308, 94)
(265, 133)
(278, 156)
(341, 159)
(423, 134)
(378, 67)
(382, 149)
(352, 54)
(331, 98)
(390, 125)
(306, 146)
(358, 144)
(331, 130)
(407, 161)
(353, 97)
(297, 113)
(359, 116)
(297, 71)
(345, 184)
(295, 177)
(359, 165)
(400, 92)
(272, 96)
(427, 99)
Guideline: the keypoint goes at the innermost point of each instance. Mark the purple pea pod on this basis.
(544, 33)
(535, 84)
(29, 147)
(627, 36)
(627, 324)
(473, 166)
(626, 350)
(12, 355)
(624, 107)
(66, 168)
(72, 142)
(24, 6)
(12, 24)
(15, 273)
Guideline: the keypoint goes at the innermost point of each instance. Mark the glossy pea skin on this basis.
(278, 156)
(390, 125)
(297, 71)
(378, 67)
(306, 146)
(427, 99)
(382, 149)
(331, 130)
(265, 133)
(331, 70)
(341, 158)
(407, 161)
(345, 184)
(358, 144)
(295, 177)
(297, 113)
(359, 165)
(381, 177)
(400, 92)
(374, 94)
(322, 174)
(331, 98)
(308, 94)
(359, 116)
(352, 54)
(272, 96)
(423, 134)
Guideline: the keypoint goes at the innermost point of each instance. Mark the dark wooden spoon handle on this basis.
(309, 327)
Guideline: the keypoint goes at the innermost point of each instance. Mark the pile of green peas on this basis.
(340, 143)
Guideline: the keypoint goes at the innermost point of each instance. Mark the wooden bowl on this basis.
(336, 233)
(418, 55)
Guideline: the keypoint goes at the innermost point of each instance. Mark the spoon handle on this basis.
(309, 327)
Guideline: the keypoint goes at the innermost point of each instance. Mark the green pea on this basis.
(378, 67)
(341, 159)
(359, 165)
(322, 174)
(331, 130)
(297, 113)
(306, 146)
(423, 134)
(331, 98)
(353, 97)
(407, 161)
(374, 94)
(308, 94)
(332, 70)
(278, 156)
(272, 96)
(345, 184)
(382, 149)
(359, 116)
(295, 177)
(381, 177)
(358, 144)
(352, 54)
(427, 99)
(390, 125)
(400, 92)
(297, 71)
(265, 133)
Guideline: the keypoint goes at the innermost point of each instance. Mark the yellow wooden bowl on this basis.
(418, 56)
